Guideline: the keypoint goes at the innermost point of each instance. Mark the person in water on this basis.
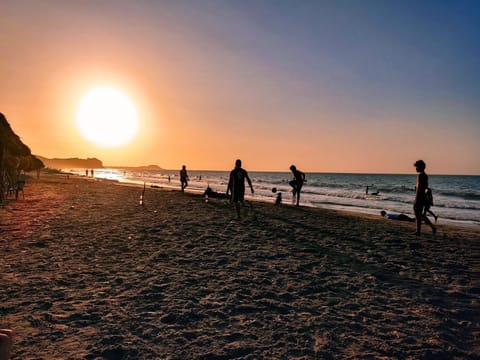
(421, 202)
(399, 217)
(236, 185)
(297, 183)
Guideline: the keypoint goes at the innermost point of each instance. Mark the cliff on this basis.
(71, 163)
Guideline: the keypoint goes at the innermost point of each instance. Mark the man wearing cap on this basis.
(420, 197)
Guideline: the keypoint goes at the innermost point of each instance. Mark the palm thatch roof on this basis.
(15, 156)
(9, 141)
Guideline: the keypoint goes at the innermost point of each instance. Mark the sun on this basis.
(107, 117)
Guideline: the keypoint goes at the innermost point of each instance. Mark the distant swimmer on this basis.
(373, 193)
(399, 217)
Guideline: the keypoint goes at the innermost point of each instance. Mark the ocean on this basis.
(456, 197)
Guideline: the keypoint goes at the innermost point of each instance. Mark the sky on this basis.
(330, 86)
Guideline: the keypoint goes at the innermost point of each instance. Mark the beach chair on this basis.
(16, 188)
(19, 187)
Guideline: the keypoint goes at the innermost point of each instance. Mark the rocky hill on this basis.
(71, 163)
(89, 163)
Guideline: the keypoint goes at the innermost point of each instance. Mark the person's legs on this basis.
(299, 189)
(237, 208)
(428, 222)
(293, 184)
(432, 213)
(237, 198)
(428, 210)
(418, 209)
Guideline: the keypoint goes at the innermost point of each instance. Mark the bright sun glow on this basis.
(107, 117)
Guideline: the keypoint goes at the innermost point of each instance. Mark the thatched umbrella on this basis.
(31, 163)
(10, 147)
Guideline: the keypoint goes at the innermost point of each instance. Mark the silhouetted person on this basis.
(91, 172)
(399, 217)
(213, 194)
(420, 203)
(184, 177)
(297, 182)
(373, 193)
(236, 185)
(278, 199)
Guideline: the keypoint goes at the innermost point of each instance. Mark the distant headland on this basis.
(71, 163)
(142, 168)
(89, 163)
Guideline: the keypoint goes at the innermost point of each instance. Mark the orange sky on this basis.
(213, 83)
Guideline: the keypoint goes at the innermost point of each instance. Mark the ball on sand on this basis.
(274, 190)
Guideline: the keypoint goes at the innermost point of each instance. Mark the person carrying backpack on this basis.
(429, 203)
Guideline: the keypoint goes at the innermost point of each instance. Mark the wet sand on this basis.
(88, 273)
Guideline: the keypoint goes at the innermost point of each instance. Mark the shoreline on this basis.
(89, 273)
(351, 209)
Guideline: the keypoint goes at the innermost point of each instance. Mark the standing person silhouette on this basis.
(236, 185)
(420, 203)
(297, 182)
(184, 177)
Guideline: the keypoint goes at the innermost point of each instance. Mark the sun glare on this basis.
(107, 117)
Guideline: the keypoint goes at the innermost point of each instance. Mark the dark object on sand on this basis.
(399, 217)
(213, 194)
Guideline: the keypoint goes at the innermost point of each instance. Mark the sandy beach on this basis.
(88, 273)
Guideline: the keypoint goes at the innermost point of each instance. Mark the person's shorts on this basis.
(419, 207)
(295, 184)
(238, 195)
